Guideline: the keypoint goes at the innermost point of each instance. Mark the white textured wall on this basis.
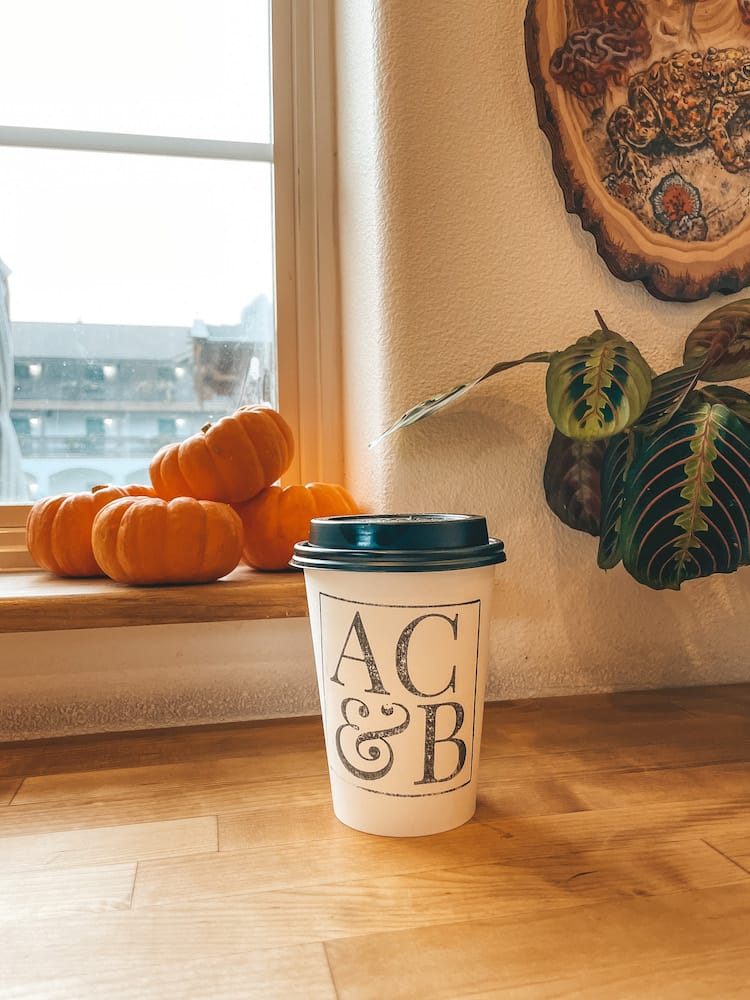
(457, 252)
(103, 680)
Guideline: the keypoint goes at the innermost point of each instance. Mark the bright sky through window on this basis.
(119, 238)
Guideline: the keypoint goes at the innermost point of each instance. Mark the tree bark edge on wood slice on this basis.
(647, 111)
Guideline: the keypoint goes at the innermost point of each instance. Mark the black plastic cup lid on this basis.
(398, 542)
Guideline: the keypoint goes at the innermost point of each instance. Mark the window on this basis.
(193, 157)
(137, 207)
(94, 427)
(22, 426)
(167, 428)
(165, 243)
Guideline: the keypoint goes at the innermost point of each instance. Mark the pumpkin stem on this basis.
(103, 486)
(205, 427)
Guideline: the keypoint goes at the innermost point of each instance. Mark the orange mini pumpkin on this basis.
(58, 529)
(149, 541)
(229, 461)
(277, 518)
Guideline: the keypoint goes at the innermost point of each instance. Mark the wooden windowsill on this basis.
(35, 601)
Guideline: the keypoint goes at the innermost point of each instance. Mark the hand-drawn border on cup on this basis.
(410, 607)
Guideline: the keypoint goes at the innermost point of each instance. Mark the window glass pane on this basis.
(115, 238)
(165, 67)
(141, 306)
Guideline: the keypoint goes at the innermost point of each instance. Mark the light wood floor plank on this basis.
(733, 844)
(610, 789)
(716, 975)
(706, 747)
(283, 825)
(663, 823)
(453, 961)
(115, 783)
(145, 802)
(136, 842)
(59, 892)
(144, 972)
(293, 865)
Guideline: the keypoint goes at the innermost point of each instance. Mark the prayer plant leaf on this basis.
(734, 399)
(719, 347)
(598, 386)
(687, 497)
(721, 342)
(571, 481)
(614, 468)
(435, 403)
(668, 392)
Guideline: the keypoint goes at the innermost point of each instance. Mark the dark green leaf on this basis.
(687, 497)
(613, 473)
(718, 348)
(435, 403)
(668, 392)
(721, 342)
(571, 481)
(734, 399)
(598, 386)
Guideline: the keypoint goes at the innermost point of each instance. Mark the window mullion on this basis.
(307, 298)
(120, 142)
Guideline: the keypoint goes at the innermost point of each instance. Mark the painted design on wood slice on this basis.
(647, 109)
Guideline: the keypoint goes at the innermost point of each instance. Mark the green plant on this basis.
(656, 466)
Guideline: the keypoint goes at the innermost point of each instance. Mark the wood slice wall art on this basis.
(646, 106)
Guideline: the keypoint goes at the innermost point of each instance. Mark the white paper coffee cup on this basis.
(400, 609)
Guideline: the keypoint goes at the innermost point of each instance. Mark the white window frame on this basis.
(303, 157)
(308, 331)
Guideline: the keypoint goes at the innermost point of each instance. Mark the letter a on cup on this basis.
(357, 626)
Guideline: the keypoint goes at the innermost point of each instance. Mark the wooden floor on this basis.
(609, 857)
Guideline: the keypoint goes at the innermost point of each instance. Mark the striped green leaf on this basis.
(597, 387)
(435, 403)
(718, 348)
(614, 469)
(668, 392)
(687, 497)
(734, 399)
(571, 481)
(721, 342)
